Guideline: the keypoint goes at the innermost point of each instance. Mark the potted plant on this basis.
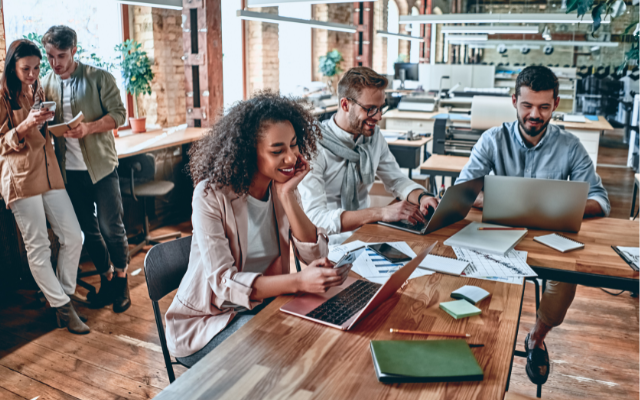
(329, 66)
(137, 74)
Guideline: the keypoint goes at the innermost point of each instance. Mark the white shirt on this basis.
(320, 189)
(262, 235)
(74, 160)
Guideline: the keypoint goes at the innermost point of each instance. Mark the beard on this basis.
(357, 126)
(533, 132)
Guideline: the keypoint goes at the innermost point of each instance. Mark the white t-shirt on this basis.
(74, 159)
(262, 235)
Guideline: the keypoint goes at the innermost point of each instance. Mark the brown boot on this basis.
(66, 317)
(121, 295)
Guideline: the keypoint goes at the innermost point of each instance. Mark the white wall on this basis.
(294, 49)
(232, 65)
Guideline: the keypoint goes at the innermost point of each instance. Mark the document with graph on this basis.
(489, 265)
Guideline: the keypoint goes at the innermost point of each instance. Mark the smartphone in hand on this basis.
(349, 257)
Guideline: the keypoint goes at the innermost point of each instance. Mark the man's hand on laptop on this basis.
(320, 275)
(428, 202)
(402, 210)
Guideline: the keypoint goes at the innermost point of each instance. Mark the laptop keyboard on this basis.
(345, 304)
(408, 225)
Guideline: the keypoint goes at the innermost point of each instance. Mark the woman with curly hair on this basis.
(246, 212)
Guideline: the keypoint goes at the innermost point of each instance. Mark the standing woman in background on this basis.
(31, 183)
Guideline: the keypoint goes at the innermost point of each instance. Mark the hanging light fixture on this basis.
(400, 36)
(491, 29)
(540, 18)
(277, 19)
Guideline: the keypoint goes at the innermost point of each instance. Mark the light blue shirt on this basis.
(559, 155)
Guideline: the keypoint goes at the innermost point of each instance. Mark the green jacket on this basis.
(94, 92)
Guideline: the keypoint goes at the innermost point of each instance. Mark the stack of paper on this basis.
(460, 309)
(444, 265)
(372, 266)
(495, 242)
(510, 268)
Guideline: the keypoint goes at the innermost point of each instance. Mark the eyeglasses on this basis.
(373, 110)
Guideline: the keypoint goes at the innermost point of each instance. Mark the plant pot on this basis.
(138, 125)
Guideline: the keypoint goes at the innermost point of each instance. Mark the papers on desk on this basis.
(372, 266)
(392, 136)
(510, 268)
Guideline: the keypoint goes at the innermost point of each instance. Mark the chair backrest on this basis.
(165, 265)
(144, 168)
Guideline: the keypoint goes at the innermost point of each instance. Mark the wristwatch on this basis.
(423, 194)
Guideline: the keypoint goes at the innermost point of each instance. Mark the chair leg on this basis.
(163, 342)
(172, 235)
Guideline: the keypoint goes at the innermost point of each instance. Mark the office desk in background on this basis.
(443, 165)
(139, 143)
(279, 356)
(588, 132)
(408, 152)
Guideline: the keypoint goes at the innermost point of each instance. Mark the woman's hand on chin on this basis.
(302, 168)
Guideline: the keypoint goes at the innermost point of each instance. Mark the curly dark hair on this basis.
(227, 155)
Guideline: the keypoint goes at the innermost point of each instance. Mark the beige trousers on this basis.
(555, 302)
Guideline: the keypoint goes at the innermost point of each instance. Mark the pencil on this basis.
(502, 229)
(462, 335)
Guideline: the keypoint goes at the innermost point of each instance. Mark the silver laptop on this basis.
(343, 306)
(549, 204)
(453, 207)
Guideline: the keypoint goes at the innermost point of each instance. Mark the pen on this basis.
(624, 257)
(502, 229)
(476, 345)
(450, 334)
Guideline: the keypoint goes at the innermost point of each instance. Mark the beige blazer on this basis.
(218, 253)
(29, 167)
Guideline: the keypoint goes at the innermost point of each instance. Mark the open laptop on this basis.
(453, 207)
(343, 306)
(550, 204)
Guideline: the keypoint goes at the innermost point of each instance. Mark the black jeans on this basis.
(99, 210)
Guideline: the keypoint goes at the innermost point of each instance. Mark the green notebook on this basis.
(397, 361)
(460, 309)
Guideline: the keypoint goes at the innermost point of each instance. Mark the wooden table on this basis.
(278, 356)
(130, 145)
(442, 165)
(595, 265)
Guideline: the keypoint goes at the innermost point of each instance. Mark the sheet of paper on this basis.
(483, 264)
(515, 280)
(336, 252)
(377, 269)
(633, 253)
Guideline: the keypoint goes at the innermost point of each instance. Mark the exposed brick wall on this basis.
(325, 41)
(263, 65)
(159, 32)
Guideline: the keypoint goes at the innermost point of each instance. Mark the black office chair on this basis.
(137, 175)
(164, 267)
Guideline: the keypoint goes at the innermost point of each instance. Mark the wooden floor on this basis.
(594, 352)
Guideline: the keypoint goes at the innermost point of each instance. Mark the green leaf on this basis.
(596, 13)
(572, 5)
(584, 6)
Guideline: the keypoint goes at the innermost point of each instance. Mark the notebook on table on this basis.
(398, 361)
(460, 309)
(472, 294)
(559, 242)
(443, 265)
(492, 242)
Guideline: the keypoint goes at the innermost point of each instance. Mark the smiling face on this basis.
(277, 151)
(27, 69)
(358, 121)
(534, 110)
(61, 61)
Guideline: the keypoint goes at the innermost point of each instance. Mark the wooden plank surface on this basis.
(130, 145)
(597, 257)
(439, 162)
(600, 125)
(279, 356)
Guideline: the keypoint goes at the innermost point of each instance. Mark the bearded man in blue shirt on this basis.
(530, 147)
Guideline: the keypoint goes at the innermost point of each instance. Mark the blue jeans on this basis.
(99, 210)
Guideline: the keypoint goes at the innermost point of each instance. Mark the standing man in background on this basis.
(88, 160)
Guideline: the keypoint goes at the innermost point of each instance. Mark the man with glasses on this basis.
(335, 193)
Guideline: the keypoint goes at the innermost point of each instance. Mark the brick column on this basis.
(202, 45)
(425, 32)
(263, 64)
(325, 41)
(363, 38)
